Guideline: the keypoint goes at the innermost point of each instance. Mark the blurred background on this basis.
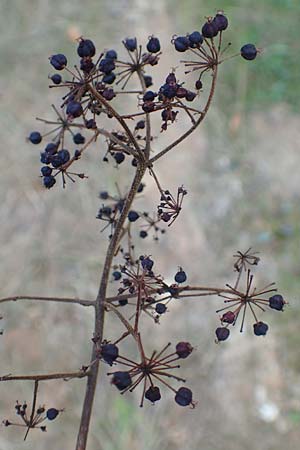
(241, 171)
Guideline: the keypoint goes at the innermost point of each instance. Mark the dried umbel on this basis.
(88, 113)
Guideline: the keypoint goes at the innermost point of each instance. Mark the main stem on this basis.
(100, 311)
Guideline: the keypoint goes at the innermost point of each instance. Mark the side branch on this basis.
(77, 301)
(66, 376)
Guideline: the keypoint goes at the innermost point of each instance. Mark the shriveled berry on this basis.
(35, 137)
(146, 263)
(143, 234)
(78, 139)
(153, 394)
(74, 109)
(119, 157)
(184, 396)
(87, 65)
(180, 276)
(123, 302)
(49, 181)
(58, 61)
(228, 317)
(86, 48)
(90, 124)
(209, 29)
(109, 352)
(148, 107)
(111, 54)
(153, 45)
(56, 78)
(140, 125)
(222, 333)
(160, 308)
(220, 21)
(181, 43)
(183, 349)
(260, 328)
(181, 92)
(130, 44)
(52, 413)
(198, 84)
(190, 96)
(108, 94)
(121, 380)
(249, 52)
(276, 302)
(148, 80)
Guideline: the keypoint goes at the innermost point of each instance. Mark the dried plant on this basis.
(89, 91)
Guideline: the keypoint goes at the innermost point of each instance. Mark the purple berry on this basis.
(222, 333)
(276, 302)
(58, 61)
(184, 396)
(249, 52)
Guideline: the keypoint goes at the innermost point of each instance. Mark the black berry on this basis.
(52, 413)
(260, 328)
(276, 302)
(109, 352)
(121, 380)
(180, 276)
(153, 45)
(56, 78)
(249, 52)
(58, 61)
(184, 396)
(35, 137)
(86, 48)
(183, 349)
(153, 394)
(222, 333)
(160, 308)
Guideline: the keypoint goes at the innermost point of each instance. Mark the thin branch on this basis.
(48, 376)
(77, 301)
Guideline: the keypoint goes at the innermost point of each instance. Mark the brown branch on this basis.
(77, 301)
(190, 131)
(48, 376)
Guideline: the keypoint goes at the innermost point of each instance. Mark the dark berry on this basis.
(78, 139)
(109, 78)
(153, 394)
(220, 21)
(198, 84)
(168, 90)
(45, 158)
(140, 125)
(86, 48)
(133, 216)
(141, 188)
(121, 380)
(180, 276)
(123, 302)
(77, 154)
(149, 96)
(56, 78)
(87, 65)
(108, 94)
(46, 171)
(276, 302)
(130, 44)
(143, 234)
(146, 263)
(104, 195)
(222, 333)
(209, 29)
(111, 54)
(117, 275)
(190, 96)
(119, 157)
(109, 352)
(148, 80)
(228, 317)
(74, 109)
(183, 349)
(52, 413)
(49, 181)
(160, 308)
(181, 92)
(148, 107)
(153, 45)
(195, 39)
(171, 78)
(90, 124)
(249, 52)
(35, 137)
(260, 328)
(51, 148)
(58, 61)
(184, 396)
(181, 43)
(61, 157)
(107, 65)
